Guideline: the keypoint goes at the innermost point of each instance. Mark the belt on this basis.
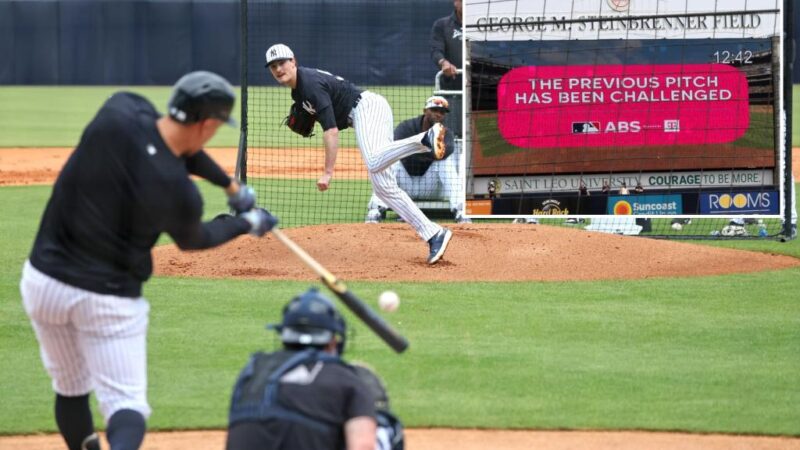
(350, 115)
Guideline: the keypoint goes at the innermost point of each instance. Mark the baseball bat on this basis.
(389, 335)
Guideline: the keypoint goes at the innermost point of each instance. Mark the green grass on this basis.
(36, 116)
(759, 134)
(714, 354)
(298, 202)
(796, 116)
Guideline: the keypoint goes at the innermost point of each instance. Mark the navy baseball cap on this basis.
(202, 95)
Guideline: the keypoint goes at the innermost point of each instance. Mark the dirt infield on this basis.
(537, 253)
(19, 166)
(448, 439)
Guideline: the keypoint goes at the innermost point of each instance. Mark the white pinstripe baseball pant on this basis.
(374, 127)
(440, 181)
(89, 341)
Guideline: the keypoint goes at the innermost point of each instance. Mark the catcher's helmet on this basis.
(201, 95)
(311, 319)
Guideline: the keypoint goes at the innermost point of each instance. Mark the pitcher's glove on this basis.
(300, 121)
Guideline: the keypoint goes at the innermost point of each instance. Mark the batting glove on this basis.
(261, 221)
(243, 200)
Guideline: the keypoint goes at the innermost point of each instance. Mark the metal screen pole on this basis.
(241, 156)
(788, 63)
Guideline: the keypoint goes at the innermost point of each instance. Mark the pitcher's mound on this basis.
(477, 252)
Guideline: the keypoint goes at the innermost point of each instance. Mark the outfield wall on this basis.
(143, 42)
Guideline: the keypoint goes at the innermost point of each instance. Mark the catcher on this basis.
(303, 396)
(337, 104)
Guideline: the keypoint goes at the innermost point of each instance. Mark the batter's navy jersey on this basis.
(328, 97)
(117, 192)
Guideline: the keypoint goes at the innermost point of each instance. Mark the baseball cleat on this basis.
(435, 140)
(374, 216)
(92, 442)
(438, 244)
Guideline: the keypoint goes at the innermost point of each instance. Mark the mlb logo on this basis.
(672, 126)
(585, 127)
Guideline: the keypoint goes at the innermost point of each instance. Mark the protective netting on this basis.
(655, 118)
(383, 46)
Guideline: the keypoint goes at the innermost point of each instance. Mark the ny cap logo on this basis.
(278, 51)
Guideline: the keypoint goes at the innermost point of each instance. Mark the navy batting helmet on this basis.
(311, 319)
(201, 95)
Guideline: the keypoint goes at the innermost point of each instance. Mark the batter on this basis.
(126, 183)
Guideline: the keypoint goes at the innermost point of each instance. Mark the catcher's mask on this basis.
(201, 95)
(310, 319)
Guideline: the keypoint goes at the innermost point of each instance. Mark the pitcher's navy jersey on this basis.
(326, 96)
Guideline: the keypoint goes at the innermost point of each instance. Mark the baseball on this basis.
(677, 226)
(389, 301)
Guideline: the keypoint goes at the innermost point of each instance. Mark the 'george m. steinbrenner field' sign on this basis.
(622, 19)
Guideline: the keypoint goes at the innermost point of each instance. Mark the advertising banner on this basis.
(540, 206)
(638, 205)
(726, 203)
(622, 105)
(713, 179)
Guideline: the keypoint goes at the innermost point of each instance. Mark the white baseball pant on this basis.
(374, 127)
(90, 341)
